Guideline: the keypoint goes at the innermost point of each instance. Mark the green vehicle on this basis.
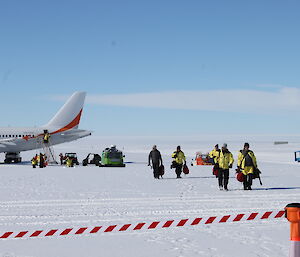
(112, 157)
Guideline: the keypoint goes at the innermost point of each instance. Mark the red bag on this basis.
(186, 169)
(240, 177)
(215, 171)
(161, 170)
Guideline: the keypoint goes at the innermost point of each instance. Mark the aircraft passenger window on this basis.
(20, 136)
(9, 135)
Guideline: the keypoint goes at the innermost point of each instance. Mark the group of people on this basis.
(179, 162)
(221, 158)
(223, 161)
(39, 160)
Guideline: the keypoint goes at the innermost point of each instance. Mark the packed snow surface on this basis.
(59, 197)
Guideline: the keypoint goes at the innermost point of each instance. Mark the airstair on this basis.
(48, 150)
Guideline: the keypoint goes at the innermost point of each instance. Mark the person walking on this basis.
(155, 158)
(247, 164)
(178, 161)
(214, 157)
(225, 162)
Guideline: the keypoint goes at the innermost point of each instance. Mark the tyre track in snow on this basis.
(104, 201)
(125, 209)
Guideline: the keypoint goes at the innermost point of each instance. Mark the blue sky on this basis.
(237, 57)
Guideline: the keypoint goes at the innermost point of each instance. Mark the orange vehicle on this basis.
(202, 159)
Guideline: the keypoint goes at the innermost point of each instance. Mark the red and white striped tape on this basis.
(143, 225)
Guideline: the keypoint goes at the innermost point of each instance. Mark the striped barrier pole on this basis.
(292, 213)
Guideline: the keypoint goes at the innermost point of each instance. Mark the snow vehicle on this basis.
(92, 158)
(112, 157)
(72, 156)
(12, 157)
(201, 159)
(297, 156)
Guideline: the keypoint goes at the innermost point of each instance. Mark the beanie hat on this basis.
(246, 145)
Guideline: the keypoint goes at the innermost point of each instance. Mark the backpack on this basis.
(256, 173)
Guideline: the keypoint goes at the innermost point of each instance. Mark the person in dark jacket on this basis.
(42, 161)
(155, 158)
(61, 158)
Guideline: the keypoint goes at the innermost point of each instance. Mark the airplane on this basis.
(62, 128)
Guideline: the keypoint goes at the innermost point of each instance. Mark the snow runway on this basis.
(58, 197)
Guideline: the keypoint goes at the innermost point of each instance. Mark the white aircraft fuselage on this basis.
(62, 128)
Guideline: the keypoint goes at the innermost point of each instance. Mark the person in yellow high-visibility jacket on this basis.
(214, 157)
(34, 161)
(225, 162)
(69, 162)
(247, 164)
(178, 161)
(46, 137)
(215, 154)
